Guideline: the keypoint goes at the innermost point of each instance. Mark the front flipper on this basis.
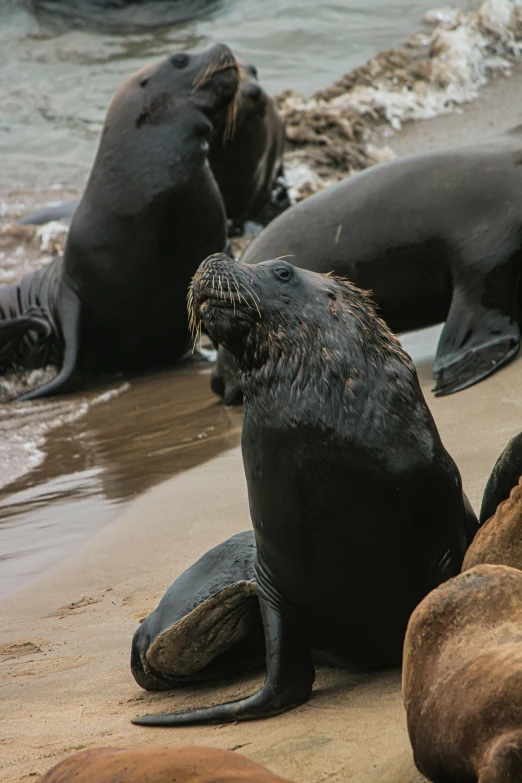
(289, 680)
(476, 341)
(68, 311)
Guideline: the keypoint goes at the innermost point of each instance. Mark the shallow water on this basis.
(55, 86)
(155, 427)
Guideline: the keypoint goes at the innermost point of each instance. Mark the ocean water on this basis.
(55, 85)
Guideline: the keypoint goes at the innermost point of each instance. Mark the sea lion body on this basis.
(462, 677)
(192, 764)
(357, 508)
(435, 236)
(150, 213)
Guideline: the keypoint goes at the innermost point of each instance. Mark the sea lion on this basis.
(462, 678)
(436, 237)
(499, 539)
(191, 764)
(150, 213)
(248, 166)
(246, 159)
(357, 508)
(121, 16)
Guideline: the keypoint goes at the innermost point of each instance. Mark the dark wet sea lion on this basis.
(357, 508)
(499, 540)
(435, 237)
(150, 213)
(246, 159)
(462, 678)
(248, 166)
(215, 599)
(192, 764)
(121, 16)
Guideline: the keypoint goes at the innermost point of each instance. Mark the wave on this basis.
(430, 74)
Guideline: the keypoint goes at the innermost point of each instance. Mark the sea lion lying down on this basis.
(159, 765)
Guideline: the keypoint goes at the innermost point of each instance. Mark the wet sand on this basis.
(158, 425)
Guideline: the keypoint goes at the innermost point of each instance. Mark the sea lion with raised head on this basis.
(357, 508)
(192, 764)
(462, 678)
(150, 213)
(246, 159)
(435, 236)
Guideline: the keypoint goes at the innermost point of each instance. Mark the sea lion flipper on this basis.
(504, 476)
(289, 680)
(69, 312)
(475, 342)
(12, 330)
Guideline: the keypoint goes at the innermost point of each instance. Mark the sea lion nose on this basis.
(253, 90)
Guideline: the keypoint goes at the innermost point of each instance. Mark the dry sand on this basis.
(65, 681)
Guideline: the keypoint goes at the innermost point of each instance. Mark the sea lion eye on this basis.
(332, 295)
(144, 82)
(283, 273)
(179, 60)
(252, 70)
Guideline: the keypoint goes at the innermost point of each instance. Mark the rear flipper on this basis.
(290, 675)
(207, 625)
(476, 341)
(68, 313)
(504, 476)
(14, 330)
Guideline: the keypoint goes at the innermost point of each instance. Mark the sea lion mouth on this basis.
(219, 285)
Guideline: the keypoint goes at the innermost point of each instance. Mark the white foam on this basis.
(51, 231)
(24, 427)
(465, 47)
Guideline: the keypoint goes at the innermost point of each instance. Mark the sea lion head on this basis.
(162, 117)
(290, 326)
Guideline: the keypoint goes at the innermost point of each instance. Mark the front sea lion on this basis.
(357, 508)
(462, 678)
(192, 764)
(435, 236)
(150, 213)
(499, 539)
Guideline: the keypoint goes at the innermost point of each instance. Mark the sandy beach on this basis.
(65, 680)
